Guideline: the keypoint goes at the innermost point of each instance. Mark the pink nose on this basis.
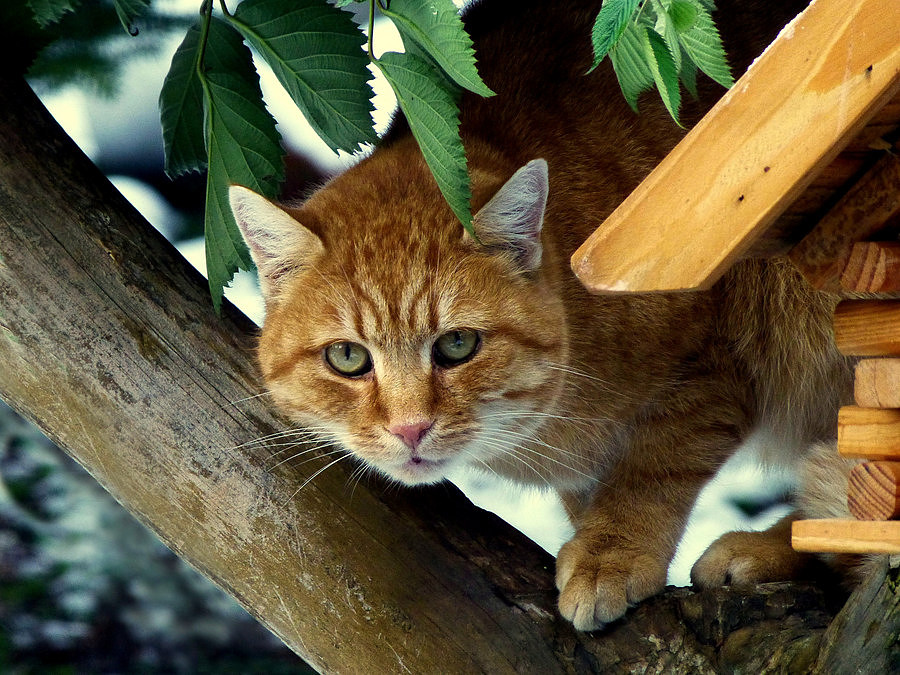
(412, 433)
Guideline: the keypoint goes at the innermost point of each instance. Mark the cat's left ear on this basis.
(513, 218)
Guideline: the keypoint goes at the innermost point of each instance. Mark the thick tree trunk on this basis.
(108, 342)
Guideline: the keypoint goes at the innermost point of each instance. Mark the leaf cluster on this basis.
(661, 43)
(214, 118)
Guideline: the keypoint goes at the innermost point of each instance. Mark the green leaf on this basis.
(688, 75)
(629, 62)
(436, 27)
(181, 109)
(683, 14)
(703, 45)
(243, 146)
(316, 51)
(433, 117)
(50, 11)
(665, 28)
(128, 11)
(611, 22)
(665, 74)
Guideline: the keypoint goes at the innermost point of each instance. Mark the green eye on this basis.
(348, 359)
(456, 347)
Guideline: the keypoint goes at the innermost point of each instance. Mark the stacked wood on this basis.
(869, 430)
(832, 257)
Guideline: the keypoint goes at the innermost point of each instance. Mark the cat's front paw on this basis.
(744, 558)
(599, 578)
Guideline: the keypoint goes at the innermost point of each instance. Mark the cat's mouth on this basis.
(418, 470)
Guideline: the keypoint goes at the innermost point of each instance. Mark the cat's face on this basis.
(400, 338)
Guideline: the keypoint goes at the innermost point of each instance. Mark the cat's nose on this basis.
(411, 433)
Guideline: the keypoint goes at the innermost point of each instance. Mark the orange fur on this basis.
(627, 404)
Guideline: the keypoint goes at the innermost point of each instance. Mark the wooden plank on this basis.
(867, 327)
(823, 254)
(874, 491)
(803, 100)
(877, 383)
(868, 433)
(846, 536)
(873, 267)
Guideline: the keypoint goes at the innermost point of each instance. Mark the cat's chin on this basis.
(418, 471)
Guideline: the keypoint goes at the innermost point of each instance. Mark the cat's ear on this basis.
(278, 243)
(513, 218)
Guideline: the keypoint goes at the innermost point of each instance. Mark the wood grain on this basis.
(867, 327)
(877, 383)
(823, 255)
(874, 491)
(846, 536)
(753, 154)
(868, 433)
(873, 267)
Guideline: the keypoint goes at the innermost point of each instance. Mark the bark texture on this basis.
(108, 341)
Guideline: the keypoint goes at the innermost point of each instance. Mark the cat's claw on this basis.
(598, 587)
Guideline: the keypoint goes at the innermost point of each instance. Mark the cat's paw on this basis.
(744, 558)
(598, 582)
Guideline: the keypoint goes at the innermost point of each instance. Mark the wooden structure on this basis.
(804, 148)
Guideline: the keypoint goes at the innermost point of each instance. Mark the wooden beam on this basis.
(823, 255)
(868, 433)
(802, 101)
(873, 267)
(846, 536)
(868, 327)
(874, 491)
(877, 383)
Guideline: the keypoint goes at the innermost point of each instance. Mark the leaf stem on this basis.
(224, 8)
(206, 10)
(371, 29)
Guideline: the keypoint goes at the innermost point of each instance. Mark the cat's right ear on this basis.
(278, 243)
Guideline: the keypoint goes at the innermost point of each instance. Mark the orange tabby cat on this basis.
(420, 350)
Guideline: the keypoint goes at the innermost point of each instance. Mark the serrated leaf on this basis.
(128, 11)
(243, 146)
(688, 75)
(683, 14)
(316, 51)
(50, 11)
(703, 45)
(630, 65)
(665, 74)
(665, 28)
(181, 109)
(433, 117)
(612, 20)
(436, 27)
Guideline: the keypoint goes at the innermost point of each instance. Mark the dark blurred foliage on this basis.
(87, 45)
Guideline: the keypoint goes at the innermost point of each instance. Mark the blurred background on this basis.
(84, 588)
